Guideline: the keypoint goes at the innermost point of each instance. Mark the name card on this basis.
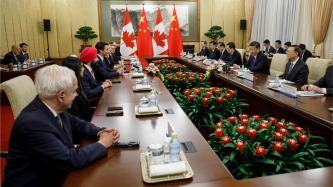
(288, 90)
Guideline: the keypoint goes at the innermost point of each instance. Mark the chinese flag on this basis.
(175, 40)
(144, 41)
(127, 42)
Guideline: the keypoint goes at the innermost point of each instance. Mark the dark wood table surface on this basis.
(121, 167)
(30, 71)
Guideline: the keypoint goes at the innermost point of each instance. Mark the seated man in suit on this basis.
(257, 61)
(204, 50)
(234, 56)
(296, 70)
(224, 53)
(286, 46)
(323, 85)
(24, 52)
(117, 54)
(42, 149)
(268, 49)
(214, 52)
(12, 56)
(101, 68)
(90, 86)
(305, 54)
(112, 60)
(278, 47)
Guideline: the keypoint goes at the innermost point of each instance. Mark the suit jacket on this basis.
(280, 50)
(224, 55)
(80, 106)
(103, 71)
(299, 73)
(307, 54)
(327, 81)
(111, 61)
(10, 58)
(90, 87)
(204, 51)
(214, 54)
(260, 64)
(23, 57)
(41, 152)
(235, 58)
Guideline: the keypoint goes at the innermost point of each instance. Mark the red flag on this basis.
(127, 42)
(175, 40)
(144, 41)
(160, 42)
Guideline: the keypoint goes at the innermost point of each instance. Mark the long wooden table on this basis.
(30, 71)
(121, 167)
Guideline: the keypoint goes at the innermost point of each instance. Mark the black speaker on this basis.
(242, 24)
(47, 25)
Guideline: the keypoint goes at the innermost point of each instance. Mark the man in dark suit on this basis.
(305, 54)
(234, 56)
(224, 52)
(257, 61)
(323, 85)
(204, 50)
(42, 148)
(112, 60)
(286, 46)
(296, 70)
(101, 68)
(268, 49)
(90, 86)
(278, 47)
(24, 52)
(12, 56)
(214, 52)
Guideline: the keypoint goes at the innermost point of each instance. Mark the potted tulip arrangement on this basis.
(255, 146)
(204, 106)
(171, 67)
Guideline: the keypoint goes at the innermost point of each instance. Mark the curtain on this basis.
(320, 14)
(275, 20)
(249, 7)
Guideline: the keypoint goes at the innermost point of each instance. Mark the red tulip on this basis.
(225, 139)
(252, 133)
(260, 151)
(277, 146)
(219, 132)
(244, 116)
(208, 94)
(231, 92)
(278, 136)
(302, 138)
(299, 129)
(232, 119)
(191, 97)
(241, 129)
(211, 89)
(217, 92)
(264, 121)
(283, 131)
(273, 120)
(245, 122)
(205, 101)
(256, 117)
(228, 96)
(219, 124)
(279, 124)
(197, 91)
(184, 79)
(219, 99)
(187, 92)
(240, 145)
(292, 144)
(263, 126)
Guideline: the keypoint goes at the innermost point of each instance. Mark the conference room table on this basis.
(7, 74)
(121, 166)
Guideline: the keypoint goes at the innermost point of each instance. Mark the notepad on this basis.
(151, 109)
(308, 94)
(167, 169)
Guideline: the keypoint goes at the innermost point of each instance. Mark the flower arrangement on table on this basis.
(255, 146)
(152, 69)
(172, 67)
(162, 61)
(206, 105)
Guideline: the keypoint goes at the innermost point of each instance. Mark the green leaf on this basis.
(298, 164)
(243, 170)
(297, 155)
(329, 161)
(266, 161)
(232, 155)
(275, 153)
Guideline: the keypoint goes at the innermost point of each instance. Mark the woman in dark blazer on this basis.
(80, 106)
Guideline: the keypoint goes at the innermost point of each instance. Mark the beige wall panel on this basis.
(49, 12)
(24, 12)
(3, 46)
(35, 29)
(91, 17)
(40, 30)
(205, 18)
(229, 21)
(77, 21)
(9, 23)
(16, 20)
(63, 28)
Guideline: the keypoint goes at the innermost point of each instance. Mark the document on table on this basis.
(308, 94)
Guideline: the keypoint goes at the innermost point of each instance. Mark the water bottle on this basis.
(174, 148)
(277, 80)
(145, 81)
(153, 99)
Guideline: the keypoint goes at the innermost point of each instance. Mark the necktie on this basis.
(252, 61)
(290, 68)
(60, 122)
(92, 74)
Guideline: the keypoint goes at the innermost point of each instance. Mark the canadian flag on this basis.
(128, 41)
(160, 42)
